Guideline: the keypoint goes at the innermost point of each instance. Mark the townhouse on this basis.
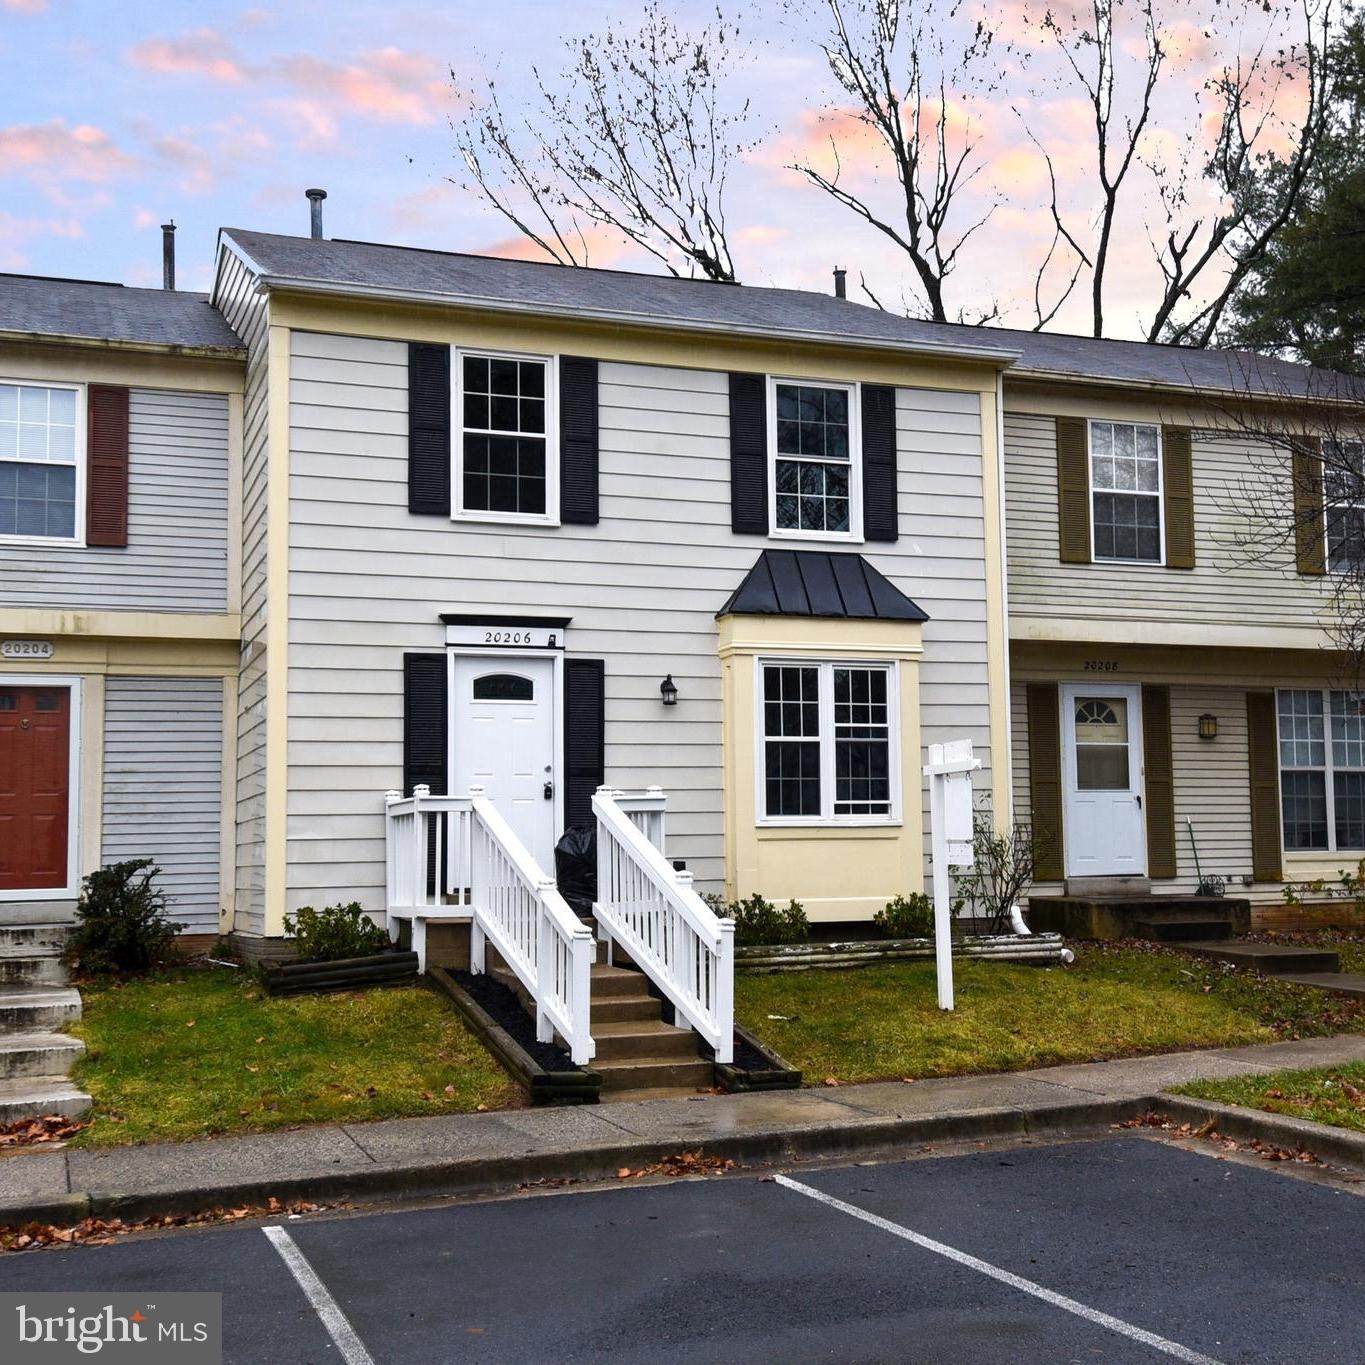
(370, 518)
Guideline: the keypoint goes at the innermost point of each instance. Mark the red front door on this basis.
(35, 796)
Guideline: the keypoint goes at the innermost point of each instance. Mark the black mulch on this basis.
(749, 1058)
(501, 1003)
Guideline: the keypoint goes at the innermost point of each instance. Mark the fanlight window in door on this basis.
(503, 687)
(1101, 744)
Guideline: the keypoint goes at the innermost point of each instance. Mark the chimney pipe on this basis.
(315, 198)
(840, 289)
(168, 255)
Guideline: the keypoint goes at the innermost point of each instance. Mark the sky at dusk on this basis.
(117, 116)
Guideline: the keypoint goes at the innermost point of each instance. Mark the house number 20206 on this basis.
(507, 637)
(1101, 666)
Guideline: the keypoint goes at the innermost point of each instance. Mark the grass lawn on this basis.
(192, 1053)
(1333, 1094)
(877, 1022)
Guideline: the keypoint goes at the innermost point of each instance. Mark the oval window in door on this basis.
(503, 687)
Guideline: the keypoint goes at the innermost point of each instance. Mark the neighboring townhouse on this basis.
(537, 528)
(1174, 684)
(120, 441)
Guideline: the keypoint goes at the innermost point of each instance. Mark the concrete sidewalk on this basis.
(484, 1153)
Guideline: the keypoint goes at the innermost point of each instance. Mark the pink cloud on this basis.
(26, 6)
(203, 52)
(605, 248)
(56, 152)
(386, 84)
(312, 124)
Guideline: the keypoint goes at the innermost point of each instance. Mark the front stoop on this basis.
(35, 1002)
(1161, 918)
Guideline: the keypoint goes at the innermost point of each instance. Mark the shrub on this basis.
(909, 916)
(121, 923)
(1002, 872)
(758, 921)
(336, 932)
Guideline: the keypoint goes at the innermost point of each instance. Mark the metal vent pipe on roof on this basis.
(168, 255)
(315, 198)
(840, 288)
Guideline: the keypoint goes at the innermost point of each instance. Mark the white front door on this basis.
(503, 739)
(1103, 828)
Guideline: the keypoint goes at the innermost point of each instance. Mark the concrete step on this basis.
(1269, 957)
(38, 912)
(653, 1092)
(32, 971)
(38, 1054)
(617, 1009)
(616, 981)
(1338, 983)
(35, 1009)
(643, 1038)
(26, 1097)
(647, 1073)
(1108, 886)
(1184, 927)
(32, 940)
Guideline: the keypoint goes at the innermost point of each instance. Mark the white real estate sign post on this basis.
(949, 771)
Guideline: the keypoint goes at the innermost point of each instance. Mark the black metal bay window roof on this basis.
(819, 583)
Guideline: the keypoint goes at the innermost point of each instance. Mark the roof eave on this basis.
(1099, 381)
(1000, 358)
(198, 352)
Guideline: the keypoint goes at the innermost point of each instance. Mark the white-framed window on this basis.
(1322, 768)
(506, 452)
(42, 457)
(814, 459)
(1125, 492)
(1344, 494)
(828, 742)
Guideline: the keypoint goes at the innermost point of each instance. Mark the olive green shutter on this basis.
(1308, 512)
(1073, 490)
(1045, 779)
(1177, 483)
(1265, 787)
(1158, 780)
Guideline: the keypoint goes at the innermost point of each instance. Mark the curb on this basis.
(1340, 1146)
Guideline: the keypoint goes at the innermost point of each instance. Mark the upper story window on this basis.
(1344, 490)
(506, 452)
(40, 453)
(813, 444)
(1322, 769)
(1125, 491)
(828, 743)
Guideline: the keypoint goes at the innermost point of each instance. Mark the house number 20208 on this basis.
(1101, 666)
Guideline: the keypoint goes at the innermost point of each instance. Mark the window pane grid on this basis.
(1125, 478)
(504, 442)
(37, 461)
(813, 458)
(1344, 486)
(1322, 768)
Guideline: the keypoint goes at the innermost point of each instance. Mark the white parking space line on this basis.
(1038, 1291)
(338, 1326)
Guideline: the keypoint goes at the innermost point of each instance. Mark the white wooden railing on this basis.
(456, 858)
(653, 913)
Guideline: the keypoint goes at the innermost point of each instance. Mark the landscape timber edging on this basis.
(340, 974)
(779, 1074)
(582, 1086)
(799, 957)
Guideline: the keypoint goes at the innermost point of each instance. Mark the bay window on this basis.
(1322, 769)
(828, 742)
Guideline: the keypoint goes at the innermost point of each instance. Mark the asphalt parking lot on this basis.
(1123, 1249)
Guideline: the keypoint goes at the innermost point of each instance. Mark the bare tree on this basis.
(635, 135)
(900, 72)
(1204, 244)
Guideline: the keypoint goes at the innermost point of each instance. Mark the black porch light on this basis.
(668, 691)
(1208, 726)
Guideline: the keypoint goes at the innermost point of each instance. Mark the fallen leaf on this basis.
(189, 1023)
(624, 1173)
(450, 1090)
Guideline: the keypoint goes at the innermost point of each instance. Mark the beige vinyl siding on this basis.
(163, 773)
(1224, 586)
(368, 582)
(177, 553)
(247, 312)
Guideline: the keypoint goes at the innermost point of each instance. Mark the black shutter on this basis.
(879, 462)
(428, 429)
(748, 455)
(585, 760)
(425, 722)
(577, 441)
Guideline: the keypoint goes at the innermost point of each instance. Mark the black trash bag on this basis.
(576, 867)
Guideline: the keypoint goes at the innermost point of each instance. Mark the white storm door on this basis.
(503, 733)
(1103, 829)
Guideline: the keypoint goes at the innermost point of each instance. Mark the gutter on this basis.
(236, 353)
(1000, 357)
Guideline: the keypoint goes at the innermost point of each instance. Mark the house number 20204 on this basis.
(1101, 666)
